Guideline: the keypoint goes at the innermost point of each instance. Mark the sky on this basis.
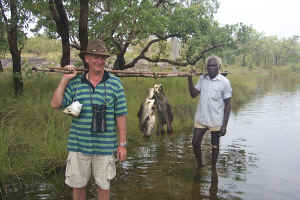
(271, 17)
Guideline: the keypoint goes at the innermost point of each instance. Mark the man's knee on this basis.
(196, 143)
(215, 139)
(198, 135)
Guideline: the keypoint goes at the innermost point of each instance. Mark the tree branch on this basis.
(201, 55)
(62, 13)
(173, 62)
(142, 54)
(83, 24)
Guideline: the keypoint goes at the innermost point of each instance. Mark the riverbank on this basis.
(33, 136)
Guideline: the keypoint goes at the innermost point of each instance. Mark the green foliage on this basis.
(21, 19)
(256, 49)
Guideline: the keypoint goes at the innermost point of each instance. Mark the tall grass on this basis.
(33, 136)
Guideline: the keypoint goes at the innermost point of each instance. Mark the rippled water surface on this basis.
(259, 159)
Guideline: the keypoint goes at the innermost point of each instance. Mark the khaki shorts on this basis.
(80, 166)
(217, 128)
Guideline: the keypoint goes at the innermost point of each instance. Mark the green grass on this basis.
(33, 136)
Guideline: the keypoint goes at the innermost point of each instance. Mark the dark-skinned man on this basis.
(213, 108)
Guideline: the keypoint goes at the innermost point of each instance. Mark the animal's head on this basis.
(158, 88)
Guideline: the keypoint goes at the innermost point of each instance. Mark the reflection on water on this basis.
(259, 159)
(199, 192)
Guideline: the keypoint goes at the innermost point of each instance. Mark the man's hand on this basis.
(122, 153)
(222, 131)
(58, 95)
(192, 72)
(72, 69)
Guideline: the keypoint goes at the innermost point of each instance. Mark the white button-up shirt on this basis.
(210, 109)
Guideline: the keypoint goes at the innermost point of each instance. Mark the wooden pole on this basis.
(122, 73)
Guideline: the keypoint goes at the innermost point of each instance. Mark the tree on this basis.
(60, 17)
(126, 24)
(15, 18)
(133, 23)
(67, 20)
(287, 50)
(52, 15)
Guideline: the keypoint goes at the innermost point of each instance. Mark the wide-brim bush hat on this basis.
(96, 47)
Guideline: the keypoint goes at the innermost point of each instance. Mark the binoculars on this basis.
(98, 119)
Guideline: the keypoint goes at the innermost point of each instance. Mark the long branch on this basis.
(122, 73)
(142, 54)
(193, 62)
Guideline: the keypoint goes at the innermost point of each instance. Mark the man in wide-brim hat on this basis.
(93, 139)
(95, 47)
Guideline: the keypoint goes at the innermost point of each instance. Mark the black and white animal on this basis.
(164, 111)
(146, 114)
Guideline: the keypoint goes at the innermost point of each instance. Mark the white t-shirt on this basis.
(210, 109)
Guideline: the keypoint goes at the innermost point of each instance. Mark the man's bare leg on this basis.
(79, 194)
(215, 142)
(103, 194)
(197, 140)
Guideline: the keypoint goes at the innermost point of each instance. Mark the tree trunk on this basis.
(244, 60)
(120, 62)
(83, 27)
(1, 66)
(276, 60)
(65, 59)
(266, 60)
(17, 74)
(12, 37)
(60, 17)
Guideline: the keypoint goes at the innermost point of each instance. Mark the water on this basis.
(259, 159)
(269, 129)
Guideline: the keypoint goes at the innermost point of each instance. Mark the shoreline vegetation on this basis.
(33, 136)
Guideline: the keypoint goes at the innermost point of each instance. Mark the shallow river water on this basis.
(259, 159)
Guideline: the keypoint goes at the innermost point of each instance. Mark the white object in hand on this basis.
(73, 109)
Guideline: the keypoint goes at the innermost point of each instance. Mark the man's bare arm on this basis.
(193, 91)
(227, 110)
(121, 124)
(59, 92)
